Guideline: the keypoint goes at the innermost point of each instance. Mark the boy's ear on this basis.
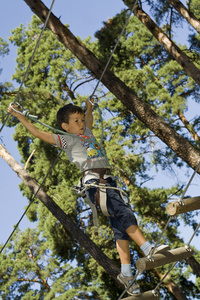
(64, 126)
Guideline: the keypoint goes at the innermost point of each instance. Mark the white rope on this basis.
(89, 185)
(23, 112)
(19, 90)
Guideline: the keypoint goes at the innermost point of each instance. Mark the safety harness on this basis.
(100, 195)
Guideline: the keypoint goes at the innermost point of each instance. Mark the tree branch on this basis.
(183, 11)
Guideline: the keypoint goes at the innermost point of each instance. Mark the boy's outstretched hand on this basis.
(12, 112)
(88, 115)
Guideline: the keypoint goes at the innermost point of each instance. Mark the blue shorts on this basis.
(123, 216)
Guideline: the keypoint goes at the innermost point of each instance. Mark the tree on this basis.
(30, 271)
(43, 79)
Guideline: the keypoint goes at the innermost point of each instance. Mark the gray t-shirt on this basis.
(84, 151)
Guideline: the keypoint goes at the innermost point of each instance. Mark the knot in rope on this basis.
(23, 112)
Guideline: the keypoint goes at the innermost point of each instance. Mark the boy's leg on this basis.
(136, 235)
(126, 277)
(123, 251)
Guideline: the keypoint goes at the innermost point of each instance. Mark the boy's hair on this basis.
(64, 113)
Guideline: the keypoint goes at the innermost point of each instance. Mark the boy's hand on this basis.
(88, 114)
(12, 112)
(88, 103)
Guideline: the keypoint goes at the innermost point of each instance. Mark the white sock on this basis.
(126, 270)
(145, 247)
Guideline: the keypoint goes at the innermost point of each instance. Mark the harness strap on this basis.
(94, 213)
(103, 200)
(80, 190)
(101, 195)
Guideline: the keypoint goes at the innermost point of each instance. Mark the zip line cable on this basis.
(30, 62)
(32, 200)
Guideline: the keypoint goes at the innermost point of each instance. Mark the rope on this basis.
(188, 244)
(87, 186)
(32, 200)
(37, 44)
(96, 106)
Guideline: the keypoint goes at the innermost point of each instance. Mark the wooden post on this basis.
(164, 258)
(147, 295)
(189, 204)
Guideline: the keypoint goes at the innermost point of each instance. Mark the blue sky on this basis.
(85, 18)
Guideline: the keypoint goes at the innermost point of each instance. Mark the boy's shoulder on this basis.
(66, 140)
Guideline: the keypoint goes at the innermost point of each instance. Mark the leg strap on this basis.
(103, 199)
(94, 214)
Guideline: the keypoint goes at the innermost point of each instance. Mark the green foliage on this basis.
(3, 47)
(36, 264)
(30, 271)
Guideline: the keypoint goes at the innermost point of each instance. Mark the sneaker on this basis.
(126, 280)
(159, 249)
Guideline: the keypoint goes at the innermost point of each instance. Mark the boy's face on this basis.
(76, 124)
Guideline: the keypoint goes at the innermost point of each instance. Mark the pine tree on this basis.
(141, 63)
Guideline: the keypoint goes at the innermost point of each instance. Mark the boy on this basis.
(86, 155)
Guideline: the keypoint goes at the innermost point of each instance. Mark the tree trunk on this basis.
(194, 265)
(141, 110)
(183, 11)
(65, 220)
(175, 290)
(184, 61)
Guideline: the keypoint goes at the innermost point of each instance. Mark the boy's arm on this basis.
(45, 136)
(88, 114)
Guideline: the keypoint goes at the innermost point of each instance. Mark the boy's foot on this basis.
(126, 280)
(159, 249)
